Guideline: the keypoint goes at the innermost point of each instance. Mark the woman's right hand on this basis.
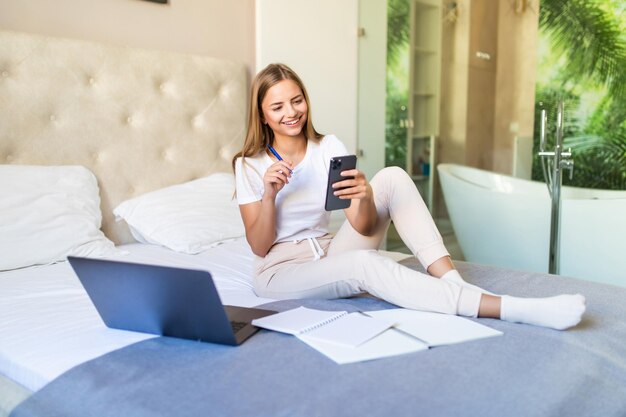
(259, 217)
(276, 177)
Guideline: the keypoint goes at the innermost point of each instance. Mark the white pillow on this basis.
(48, 213)
(189, 217)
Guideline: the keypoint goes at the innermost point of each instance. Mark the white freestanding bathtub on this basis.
(505, 221)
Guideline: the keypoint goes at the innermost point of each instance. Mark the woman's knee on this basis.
(390, 182)
(390, 174)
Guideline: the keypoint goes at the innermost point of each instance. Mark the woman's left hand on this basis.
(362, 213)
(355, 188)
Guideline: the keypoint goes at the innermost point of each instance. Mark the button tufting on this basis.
(9, 158)
(52, 117)
(92, 81)
(162, 87)
(129, 120)
(5, 74)
(167, 155)
(196, 121)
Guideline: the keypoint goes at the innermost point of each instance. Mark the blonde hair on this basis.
(259, 134)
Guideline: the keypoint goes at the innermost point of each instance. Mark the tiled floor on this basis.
(394, 243)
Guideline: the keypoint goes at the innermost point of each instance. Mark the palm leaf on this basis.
(397, 29)
(591, 39)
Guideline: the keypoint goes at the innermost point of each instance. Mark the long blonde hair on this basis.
(259, 134)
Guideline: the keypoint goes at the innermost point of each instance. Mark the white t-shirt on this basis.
(300, 212)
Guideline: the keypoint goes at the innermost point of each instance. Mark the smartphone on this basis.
(338, 164)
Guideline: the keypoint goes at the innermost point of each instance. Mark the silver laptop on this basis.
(162, 300)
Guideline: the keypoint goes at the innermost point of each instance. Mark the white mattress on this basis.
(48, 324)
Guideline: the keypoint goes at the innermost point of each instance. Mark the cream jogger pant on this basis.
(352, 264)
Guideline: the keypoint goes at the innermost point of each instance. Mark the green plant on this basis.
(591, 37)
(395, 134)
(397, 79)
(602, 160)
(589, 50)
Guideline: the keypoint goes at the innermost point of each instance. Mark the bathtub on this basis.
(505, 221)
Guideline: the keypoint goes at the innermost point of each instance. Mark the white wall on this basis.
(317, 39)
(219, 28)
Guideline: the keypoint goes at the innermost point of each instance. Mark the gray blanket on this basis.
(529, 371)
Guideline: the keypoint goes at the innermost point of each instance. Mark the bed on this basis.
(91, 134)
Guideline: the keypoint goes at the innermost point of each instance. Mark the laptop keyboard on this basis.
(237, 325)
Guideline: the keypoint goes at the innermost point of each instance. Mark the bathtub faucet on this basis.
(552, 164)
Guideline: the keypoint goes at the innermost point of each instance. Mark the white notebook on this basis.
(389, 343)
(336, 327)
(413, 331)
(436, 329)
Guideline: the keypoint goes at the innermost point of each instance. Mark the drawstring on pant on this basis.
(317, 250)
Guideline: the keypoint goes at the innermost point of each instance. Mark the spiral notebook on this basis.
(338, 327)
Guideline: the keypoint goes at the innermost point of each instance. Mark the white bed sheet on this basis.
(48, 324)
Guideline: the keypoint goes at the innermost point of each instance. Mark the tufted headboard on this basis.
(139, 119)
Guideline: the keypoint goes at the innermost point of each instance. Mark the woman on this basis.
(281, 176)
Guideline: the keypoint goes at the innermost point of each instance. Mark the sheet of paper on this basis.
(434, 328)
(389, 343)
(350, 330)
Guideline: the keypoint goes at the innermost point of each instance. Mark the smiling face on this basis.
(285, 109)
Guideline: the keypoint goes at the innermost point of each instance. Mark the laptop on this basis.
(163, 300)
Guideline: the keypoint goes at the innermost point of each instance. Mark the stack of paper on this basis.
(355, 337)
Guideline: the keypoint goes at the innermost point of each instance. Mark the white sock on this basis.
(559, 312)
(454, 276)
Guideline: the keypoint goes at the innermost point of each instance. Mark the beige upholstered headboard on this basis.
(139, 119)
